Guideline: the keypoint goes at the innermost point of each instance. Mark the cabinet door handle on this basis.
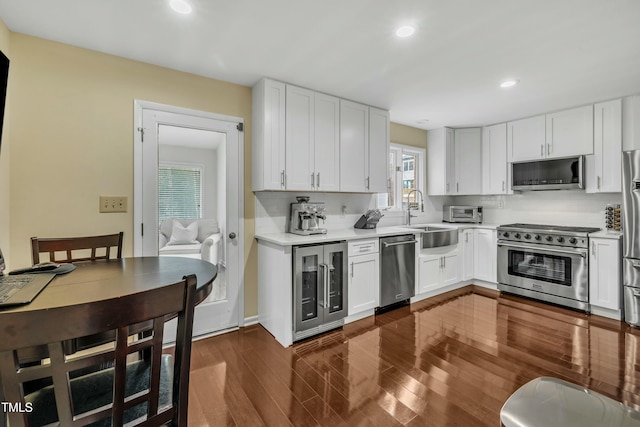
(548, 149)
(444, 262)
(313, 183)
(598, 182)
(457, 187)
(503, 189)
(318, 180)
(352, 270)
(282, 179)
(542, 150)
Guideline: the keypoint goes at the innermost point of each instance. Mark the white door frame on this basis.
(138, 176)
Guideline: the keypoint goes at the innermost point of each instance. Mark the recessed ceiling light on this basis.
(405, 31)
(509, 83)
(180, 6)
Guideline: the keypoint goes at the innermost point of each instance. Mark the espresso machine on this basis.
(305, 217)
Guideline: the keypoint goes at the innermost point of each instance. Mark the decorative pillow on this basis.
(181, 235)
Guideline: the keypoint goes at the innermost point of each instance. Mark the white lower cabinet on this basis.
(364, 276)
(605, 276)
(438, 267)
(485, 255)
(465, 240)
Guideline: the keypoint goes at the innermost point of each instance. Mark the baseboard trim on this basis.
(251, 320)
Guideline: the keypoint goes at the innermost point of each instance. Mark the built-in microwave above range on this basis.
(552, 174)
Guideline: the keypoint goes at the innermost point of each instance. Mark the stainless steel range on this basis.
(545, 262)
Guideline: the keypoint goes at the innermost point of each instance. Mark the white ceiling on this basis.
(564, 52)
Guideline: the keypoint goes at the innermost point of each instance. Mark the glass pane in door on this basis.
(310, 282)
(336, 285)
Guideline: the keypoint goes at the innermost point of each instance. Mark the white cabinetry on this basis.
(555, 135)
(299, 138)
(454, 161)
(485, 255)
(364, 277)
(364, 147)
(605, 276)
(603, 168)
(312, 140)
(468, 161)
(379, 138)
(570, 132)
(465, 240)
(438, 267)
(439, 161)
(308, 141)
(268, 141)
(494, 160)
(354, 146)
(526, 139)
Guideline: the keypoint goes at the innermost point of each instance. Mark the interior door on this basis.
(224, 308)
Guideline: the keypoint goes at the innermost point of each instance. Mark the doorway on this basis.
(188, 166)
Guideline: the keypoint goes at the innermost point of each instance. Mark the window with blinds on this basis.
(179, 192)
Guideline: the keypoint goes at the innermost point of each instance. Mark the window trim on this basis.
(421, 158)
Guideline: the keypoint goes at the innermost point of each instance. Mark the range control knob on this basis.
(517, 235)
(505, 234)
(573, 240)
(560, 239)
(537, 237)
(549, 238)
(527, 236)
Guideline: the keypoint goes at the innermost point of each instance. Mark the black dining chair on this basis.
(152, 390)
(77, 248)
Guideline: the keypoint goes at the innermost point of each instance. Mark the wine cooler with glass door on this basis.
(320, 288)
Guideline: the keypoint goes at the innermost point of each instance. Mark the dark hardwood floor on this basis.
(448, 361)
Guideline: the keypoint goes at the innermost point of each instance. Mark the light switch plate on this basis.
(113, 204)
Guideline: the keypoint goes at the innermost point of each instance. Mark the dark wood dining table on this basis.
(109, 279)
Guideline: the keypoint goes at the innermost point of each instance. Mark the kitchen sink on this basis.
(435, 237)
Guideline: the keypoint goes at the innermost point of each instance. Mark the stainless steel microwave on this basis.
(552, 174)
(462, 214)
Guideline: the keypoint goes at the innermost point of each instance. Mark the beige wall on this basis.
(5, 234)
(407, 135)
(71, 117)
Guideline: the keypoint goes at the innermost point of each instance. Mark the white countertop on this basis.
(606, 234)
(288, 239)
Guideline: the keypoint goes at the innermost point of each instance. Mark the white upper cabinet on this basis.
(454, 161)
(312, 140)
(467, 161)
(354, 146)
(603, 168)
(268, 141)
(300, 139)
(327, 143)
(379, 139)
(570, 132)
(308, 141)
(439, 161)
(494, 160)
(526, 139)
(556, 135)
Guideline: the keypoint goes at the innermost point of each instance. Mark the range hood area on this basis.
(552, 174)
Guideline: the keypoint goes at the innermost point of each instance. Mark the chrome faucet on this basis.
(409, 216)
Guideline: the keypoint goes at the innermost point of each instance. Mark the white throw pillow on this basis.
(181, 235)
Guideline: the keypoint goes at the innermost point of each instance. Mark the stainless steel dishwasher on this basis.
(397, 269)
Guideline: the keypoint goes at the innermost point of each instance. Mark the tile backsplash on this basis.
(564, 207)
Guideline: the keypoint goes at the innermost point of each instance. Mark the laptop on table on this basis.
(19, 289)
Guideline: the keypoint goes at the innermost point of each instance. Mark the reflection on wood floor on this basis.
(449, 361)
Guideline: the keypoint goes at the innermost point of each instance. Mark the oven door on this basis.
(562, 272)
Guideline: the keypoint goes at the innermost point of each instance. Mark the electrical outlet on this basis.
(113, 204)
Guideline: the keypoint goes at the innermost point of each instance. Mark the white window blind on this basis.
(179, 192)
